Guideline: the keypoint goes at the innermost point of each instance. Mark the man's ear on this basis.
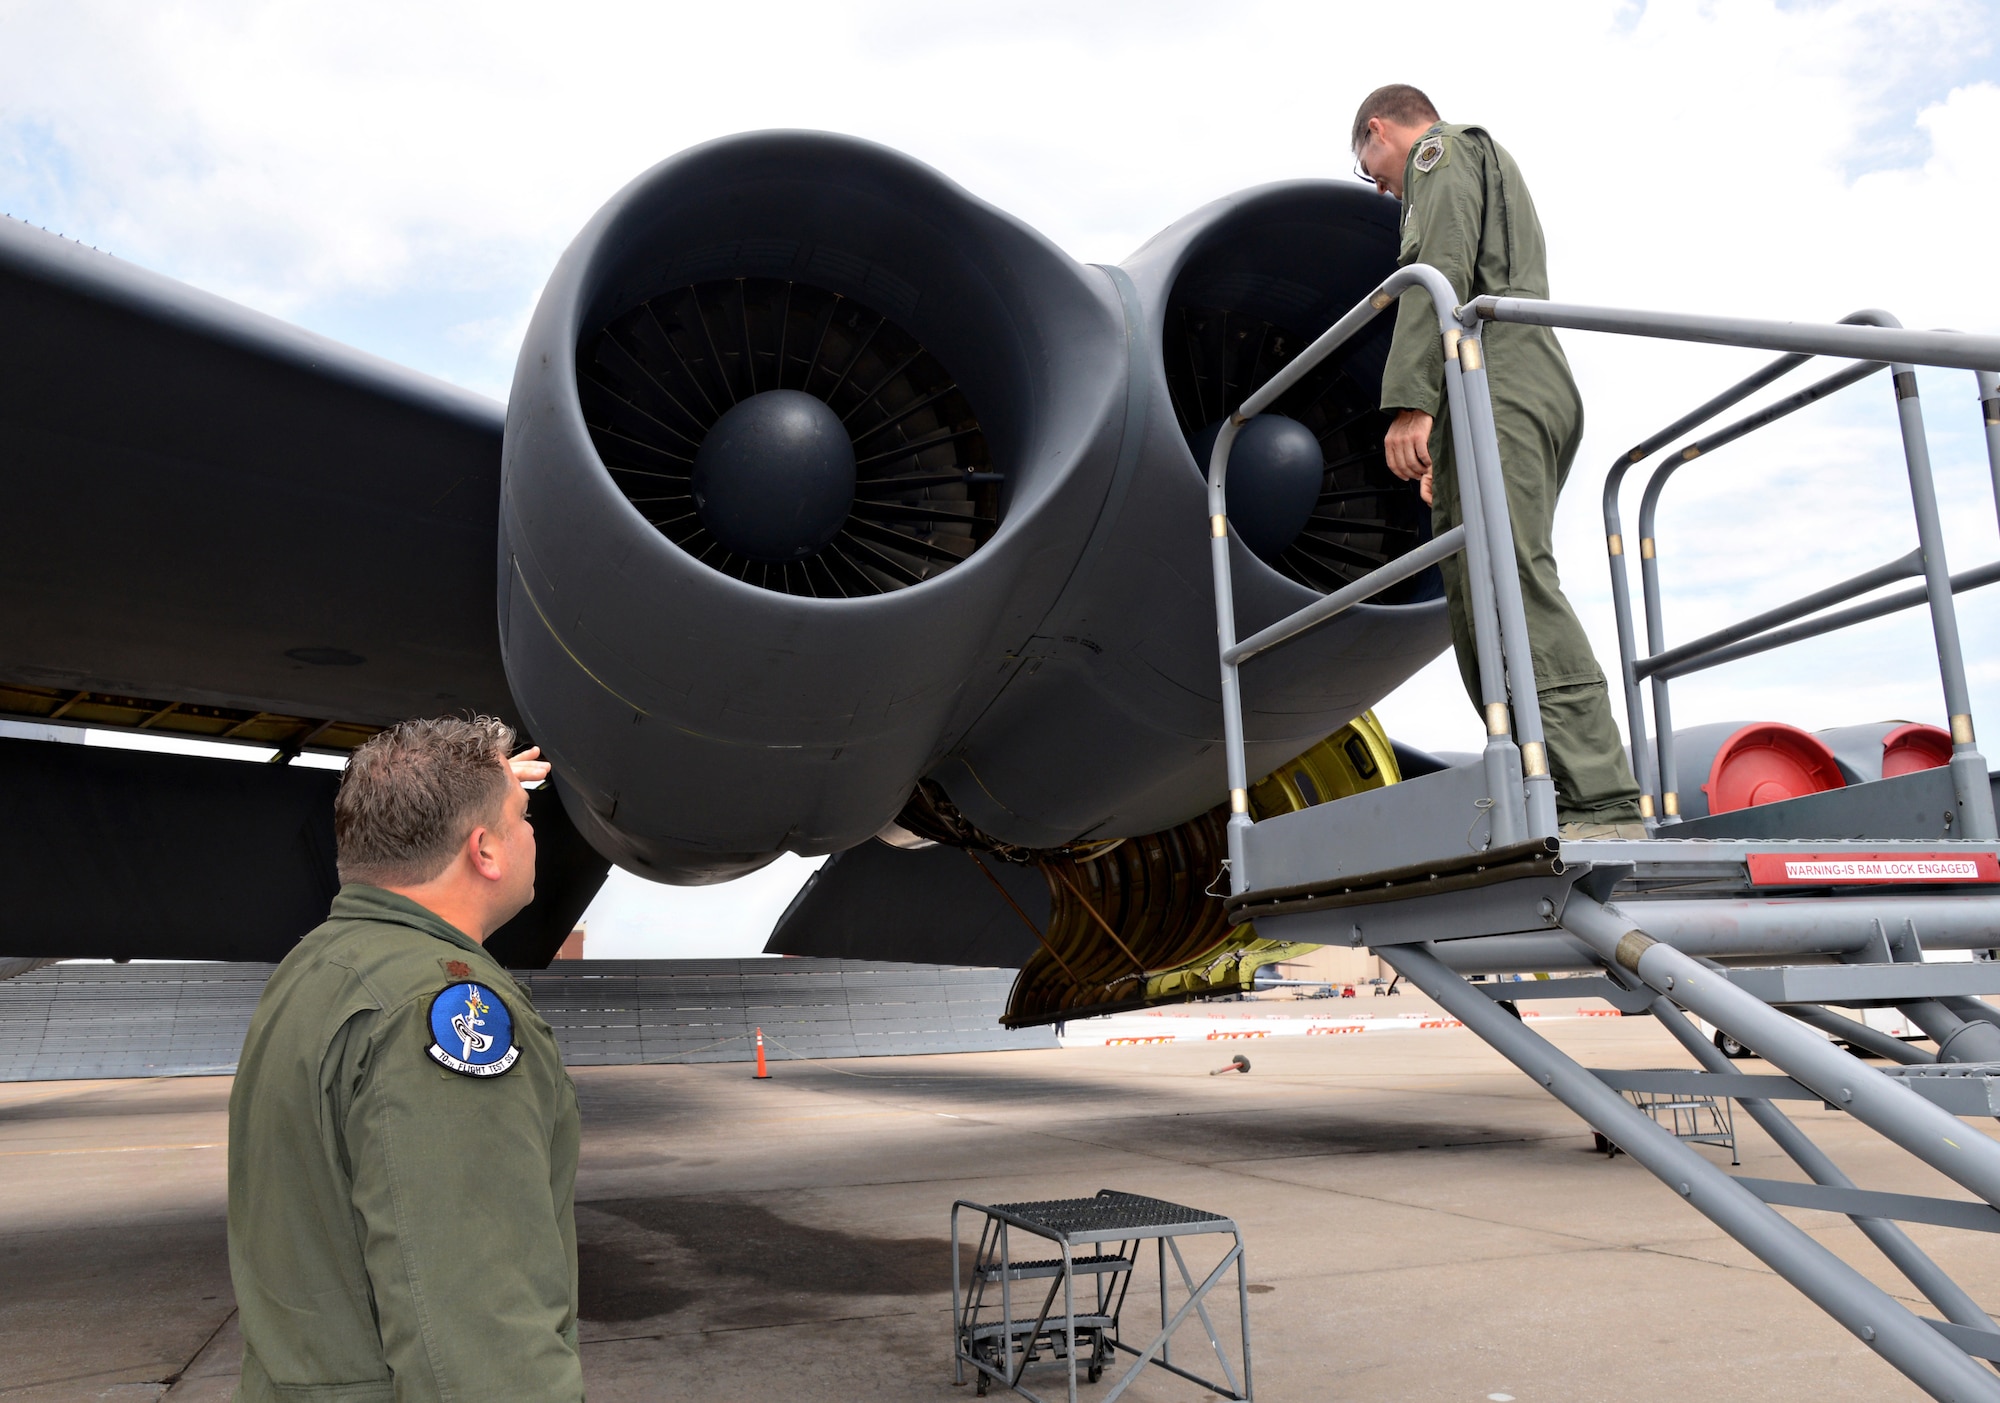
(479, 848)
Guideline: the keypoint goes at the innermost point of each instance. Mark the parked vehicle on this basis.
(1882, 1020)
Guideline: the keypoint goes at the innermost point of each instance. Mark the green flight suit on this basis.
(398, 1230)
(1467, 213)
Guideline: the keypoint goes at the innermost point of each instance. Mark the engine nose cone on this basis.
(774, 478)
(1275, 473)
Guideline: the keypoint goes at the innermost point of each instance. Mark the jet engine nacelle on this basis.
(822, 477)
(713, 691)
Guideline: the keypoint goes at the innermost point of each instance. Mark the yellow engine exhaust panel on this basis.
(1140, 923)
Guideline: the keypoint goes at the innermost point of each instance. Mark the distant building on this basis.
(1336, 964)
(572, 949)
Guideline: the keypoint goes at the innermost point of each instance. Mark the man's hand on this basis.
(1408, 445)
(528, 768)
(1424, 488)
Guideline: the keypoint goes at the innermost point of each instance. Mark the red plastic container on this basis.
(1914, 747)
(1767, 761)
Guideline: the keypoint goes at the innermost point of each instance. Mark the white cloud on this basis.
(403, 176)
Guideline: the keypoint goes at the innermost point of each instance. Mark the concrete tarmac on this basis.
(1422, 1223)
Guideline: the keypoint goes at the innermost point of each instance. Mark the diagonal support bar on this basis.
(1870, 1212)
(1214, 1342)
(1437, 549)
(1158, 1342)
(1914, 1348)
(1968, 1156)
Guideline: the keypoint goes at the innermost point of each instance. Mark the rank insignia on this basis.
(1429, 152)
(471, 1031)
(456, 969)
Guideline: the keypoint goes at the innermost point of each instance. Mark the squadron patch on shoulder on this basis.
(471, 1031)
(1429, 152)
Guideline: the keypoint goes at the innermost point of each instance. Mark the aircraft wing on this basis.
(215, 524)
(208, 509)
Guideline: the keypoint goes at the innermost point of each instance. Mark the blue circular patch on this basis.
(471, 1031)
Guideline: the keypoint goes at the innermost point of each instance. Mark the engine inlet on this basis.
(1362, 516)
(692, 396)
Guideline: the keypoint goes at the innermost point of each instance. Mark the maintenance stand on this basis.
(1754, 920)
(1000, 1344)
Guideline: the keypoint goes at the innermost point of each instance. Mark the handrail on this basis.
(1976, 578)
(1876, 338)
(1414, 562)
(1643, 762)
(1885, 574)
(1519, 782)
(1614, 541)
(1665, 769)
(1518, 778)
(1952, 349)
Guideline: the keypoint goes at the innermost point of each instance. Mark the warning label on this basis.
(1823, 869)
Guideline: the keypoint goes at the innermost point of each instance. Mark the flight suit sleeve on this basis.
(1444, 213)
(453, 1198)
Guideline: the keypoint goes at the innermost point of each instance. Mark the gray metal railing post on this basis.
(1500, 756)
(1888, 1327)
(1234, 761)
(1495, 516)
(1989, 405)
(1656, 642)
(1644, 763)
(1646, 771)
(1969, 778)
(1649, 541)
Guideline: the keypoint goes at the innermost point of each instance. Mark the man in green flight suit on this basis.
(402, 1134)
(1467, 213)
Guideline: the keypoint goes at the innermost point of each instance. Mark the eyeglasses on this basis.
(1360, 168)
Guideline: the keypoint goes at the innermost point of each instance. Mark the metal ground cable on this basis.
(1887, 1326)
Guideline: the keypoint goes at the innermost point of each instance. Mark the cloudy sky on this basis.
(402, 177)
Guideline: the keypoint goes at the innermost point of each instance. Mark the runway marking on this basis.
(113, 1149)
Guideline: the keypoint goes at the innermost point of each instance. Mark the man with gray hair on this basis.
(402, 1134)
(1467, 213)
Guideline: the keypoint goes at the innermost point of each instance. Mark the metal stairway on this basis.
(1762, 927)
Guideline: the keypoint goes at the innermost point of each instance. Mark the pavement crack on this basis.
(173, 1380)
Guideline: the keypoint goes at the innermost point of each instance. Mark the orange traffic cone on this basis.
(763, 1072)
